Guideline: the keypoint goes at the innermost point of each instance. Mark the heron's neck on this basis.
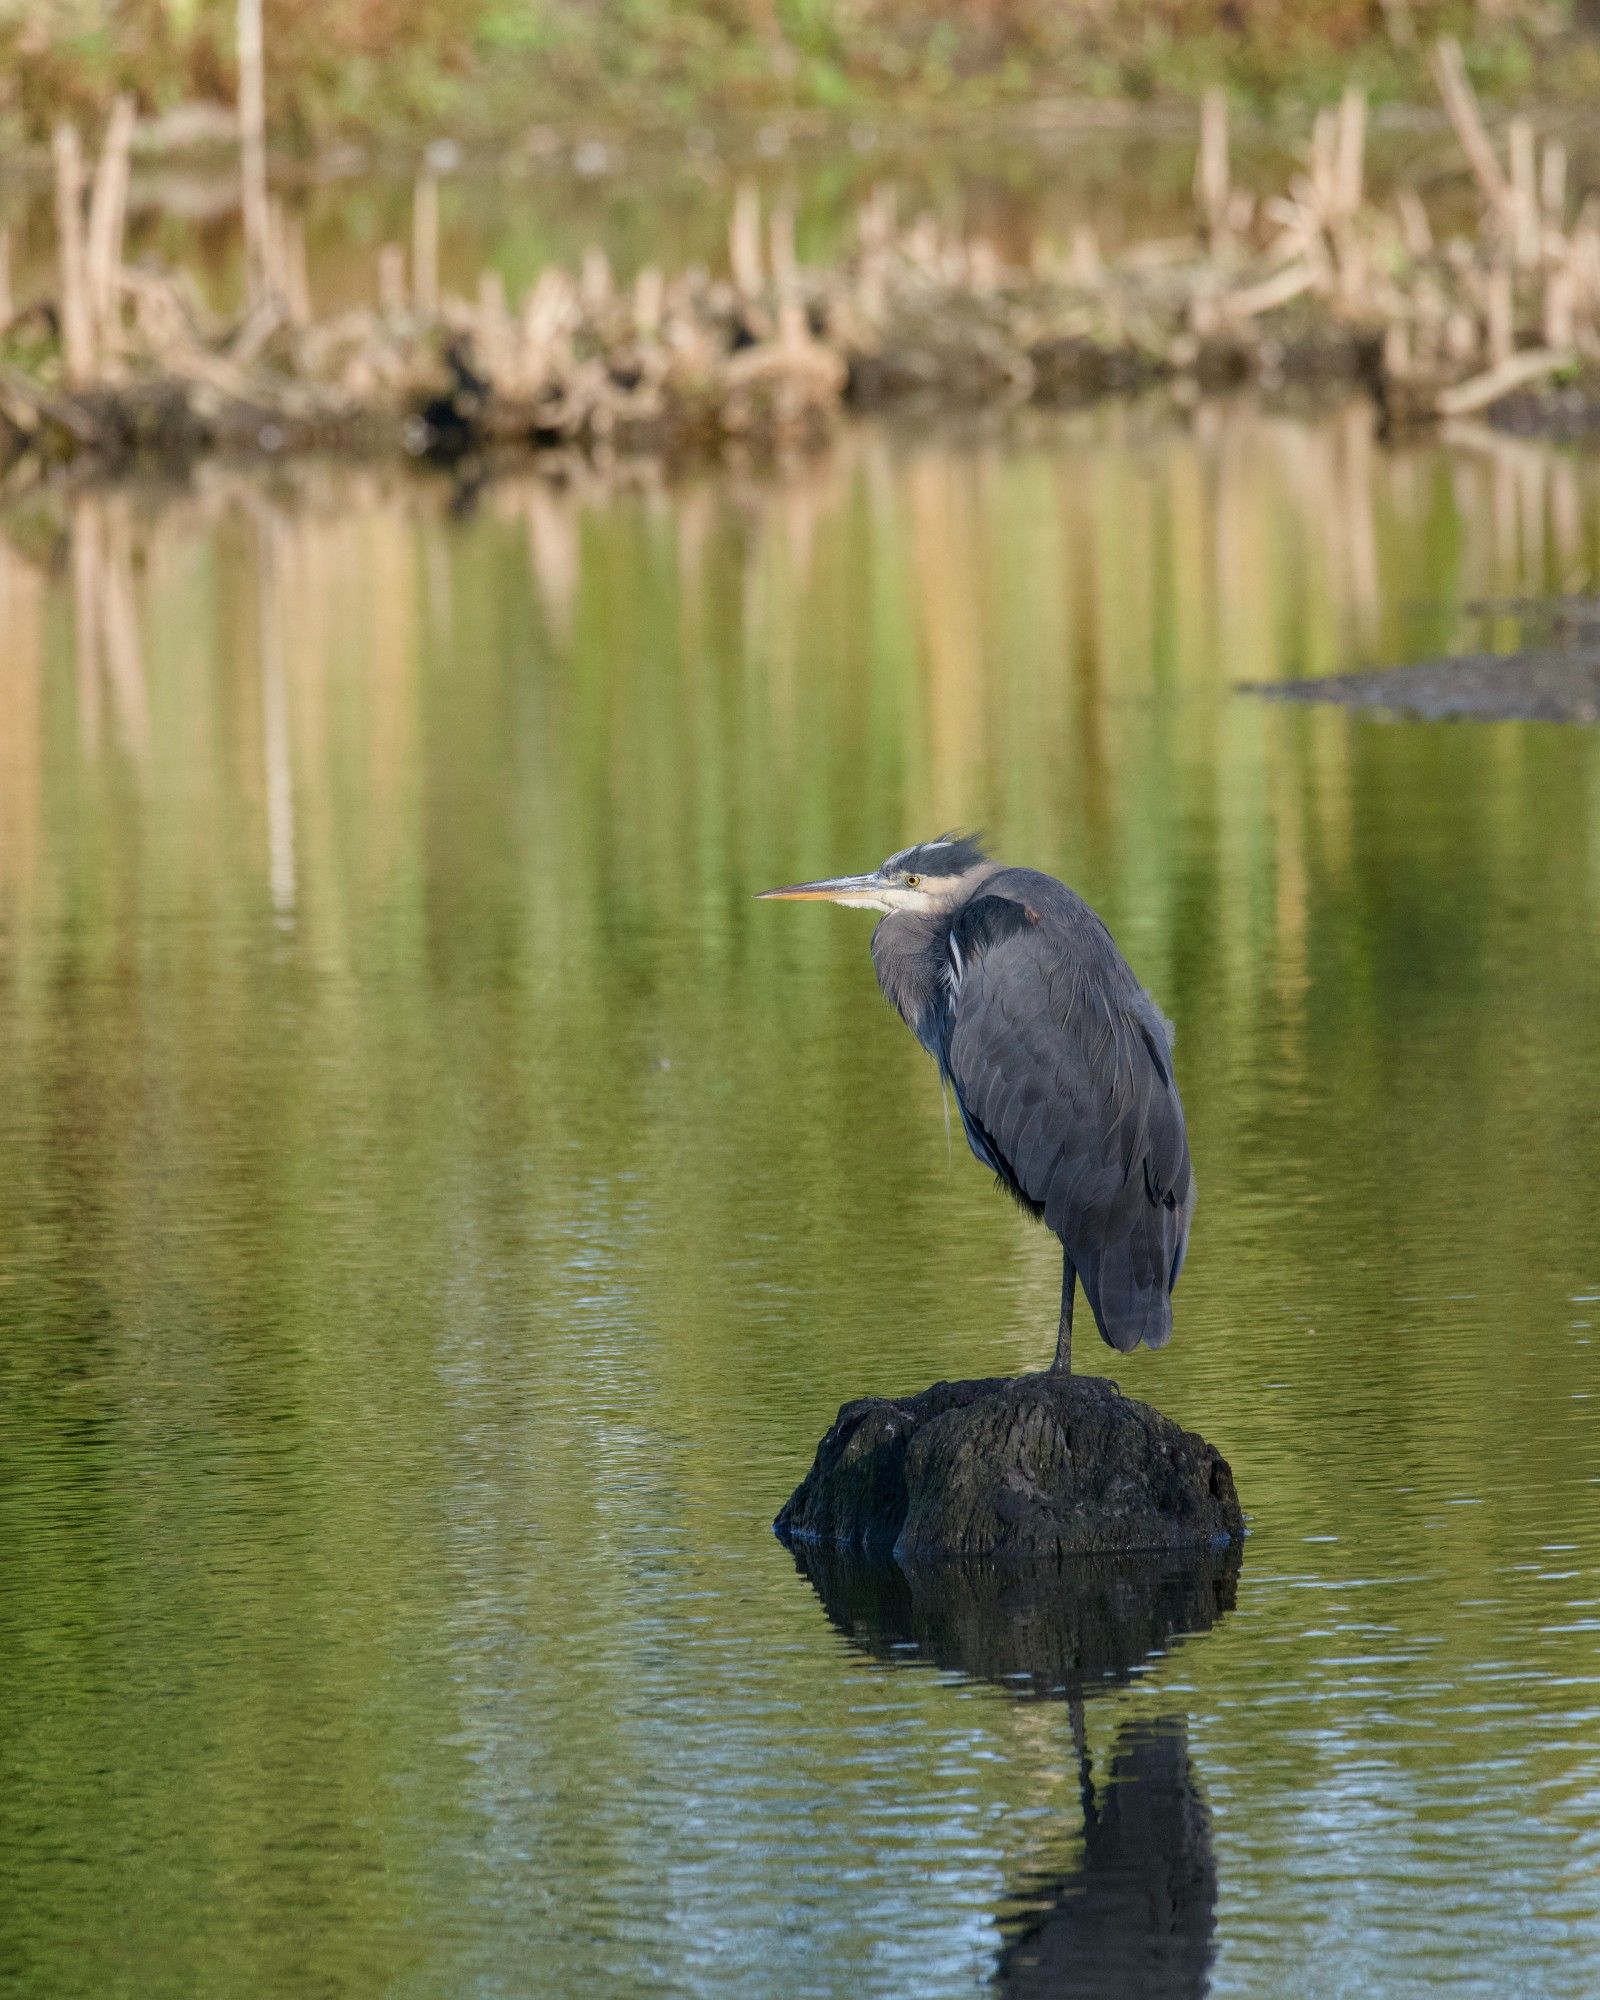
(910, 954)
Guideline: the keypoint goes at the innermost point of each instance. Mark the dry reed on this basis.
(1323, 279)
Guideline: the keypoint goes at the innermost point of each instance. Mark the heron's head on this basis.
(925, 877)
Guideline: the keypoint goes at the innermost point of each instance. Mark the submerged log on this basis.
(1038, 1465)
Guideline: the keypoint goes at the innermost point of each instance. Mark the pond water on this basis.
(442, 1210)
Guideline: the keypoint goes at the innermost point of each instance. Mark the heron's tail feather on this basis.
(1127, 1285)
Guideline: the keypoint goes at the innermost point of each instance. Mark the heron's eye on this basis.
(912, 881)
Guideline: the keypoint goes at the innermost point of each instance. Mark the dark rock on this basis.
(1076, 1627)
(1038, 1465)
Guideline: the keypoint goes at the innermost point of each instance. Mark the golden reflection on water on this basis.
(1109, 555)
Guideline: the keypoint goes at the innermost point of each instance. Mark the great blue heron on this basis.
(1060, 1061)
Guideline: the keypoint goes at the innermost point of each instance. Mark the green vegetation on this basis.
(485, 66)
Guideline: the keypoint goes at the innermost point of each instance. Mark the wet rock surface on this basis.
(1030, 1466)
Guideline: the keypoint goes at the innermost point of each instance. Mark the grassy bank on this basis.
(479, 67)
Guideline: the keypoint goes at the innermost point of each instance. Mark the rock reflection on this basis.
(1134, 1912)
(1065, 1631)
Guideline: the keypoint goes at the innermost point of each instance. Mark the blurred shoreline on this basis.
(1449, 270)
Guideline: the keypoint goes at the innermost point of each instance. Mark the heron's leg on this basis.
(1069, 1279)
(1080, 1743)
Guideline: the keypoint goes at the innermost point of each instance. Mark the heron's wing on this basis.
(1063, 1070)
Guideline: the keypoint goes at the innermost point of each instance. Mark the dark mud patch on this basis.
(1541, 685)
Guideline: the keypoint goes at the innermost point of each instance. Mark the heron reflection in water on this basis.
(1060, 1062)
(1131, 1913)
(1137, 1917)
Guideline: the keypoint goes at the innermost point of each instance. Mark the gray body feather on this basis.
(1062, 1067)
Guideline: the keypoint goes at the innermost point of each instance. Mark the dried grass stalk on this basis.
(77, 315)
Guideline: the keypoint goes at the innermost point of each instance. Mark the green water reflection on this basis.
(441, 1210)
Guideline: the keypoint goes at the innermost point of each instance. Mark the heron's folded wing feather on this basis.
(1060, 1057)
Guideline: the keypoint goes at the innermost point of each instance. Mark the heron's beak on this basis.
(859, 891)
